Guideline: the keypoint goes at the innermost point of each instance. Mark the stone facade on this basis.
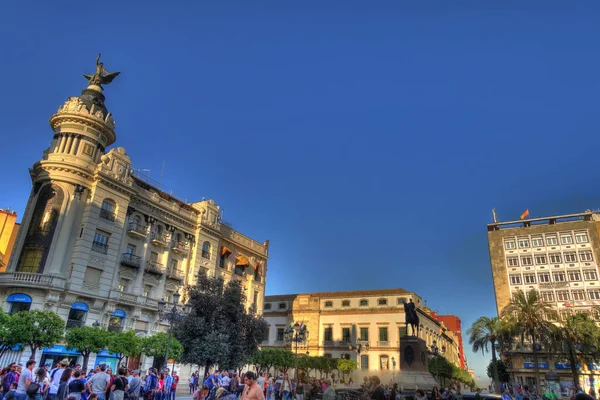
(338, 322)
(100, 244)
(8, 234)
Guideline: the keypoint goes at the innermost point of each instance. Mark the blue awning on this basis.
(18, 298)
(60, 349)
(79, 306)
(119, 313)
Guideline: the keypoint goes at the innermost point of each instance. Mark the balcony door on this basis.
(77, 315)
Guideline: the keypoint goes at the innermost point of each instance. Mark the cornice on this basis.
(146, 206)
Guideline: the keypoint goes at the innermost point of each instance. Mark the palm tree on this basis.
(575, 338)
(533, 317)
(483, 336)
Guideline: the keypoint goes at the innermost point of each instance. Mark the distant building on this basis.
(452, 322)
(8, 235)
(558, 256)
(364, 325)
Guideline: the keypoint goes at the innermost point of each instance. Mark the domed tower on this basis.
(65, 183)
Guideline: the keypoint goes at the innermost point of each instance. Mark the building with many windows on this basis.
(99, 244)
(365, 326)
(558, 256)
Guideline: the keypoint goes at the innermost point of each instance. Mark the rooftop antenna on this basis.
(494, 215)
(162, 170)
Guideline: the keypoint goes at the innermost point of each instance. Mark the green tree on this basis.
(440, 367)
(125, 344)
(502, 369)
(219, 329)
(533, 317)
(156, 346)
(87, 340)
(36, 329)
(7, 338)
(483, 335)
(284, 360)
(574, 339)
(346, 366)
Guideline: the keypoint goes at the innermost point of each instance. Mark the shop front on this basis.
(110, 359)
(53, 355)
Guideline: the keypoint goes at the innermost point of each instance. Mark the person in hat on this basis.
(55, 376)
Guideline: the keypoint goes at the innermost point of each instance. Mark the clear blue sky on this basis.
(367, 140)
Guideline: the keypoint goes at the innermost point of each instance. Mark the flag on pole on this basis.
(525, 214)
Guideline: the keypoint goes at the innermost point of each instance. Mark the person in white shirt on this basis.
(225, 380)
(55, 376)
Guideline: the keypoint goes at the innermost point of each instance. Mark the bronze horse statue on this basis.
(411, 318)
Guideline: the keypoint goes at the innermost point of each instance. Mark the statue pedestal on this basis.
(414, 370)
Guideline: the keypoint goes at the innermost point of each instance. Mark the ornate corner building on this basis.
(100, 245)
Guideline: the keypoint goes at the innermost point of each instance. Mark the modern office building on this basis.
(363, 325)
(558, 256)
(101, 245)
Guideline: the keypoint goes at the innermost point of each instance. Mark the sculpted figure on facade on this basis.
(102, 76)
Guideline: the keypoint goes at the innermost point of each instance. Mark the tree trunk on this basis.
(536, 367)
(495, 368)
(573, 361)
(86, 359)
(33, 350)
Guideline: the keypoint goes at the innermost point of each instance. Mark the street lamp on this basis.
(295, 334)
(434, 348)
(393, 369)
(171, 316)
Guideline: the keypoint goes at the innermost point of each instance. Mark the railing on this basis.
(107, 215)
(383, 343)
(31, 279)
(160, 238)
(154, 267)
(128, 297)
(175, 274)
(328, 343)
(138, 228)
(100, 247)
(90, 287)
(180, 246)
(131, 260)
(74, 323)
(206, 254)
(152, 303)
(345, 342)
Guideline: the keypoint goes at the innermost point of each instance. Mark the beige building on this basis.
(100, 244)
(8, 234)
(344, 323)
(558, 256)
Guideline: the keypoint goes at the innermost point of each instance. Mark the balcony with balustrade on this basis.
(131, 260)
(154, 267)
(32, 280)
(137, 230)
(175, 275)
(107, 215)
(180, 246)
(159, 239)
(74, 323)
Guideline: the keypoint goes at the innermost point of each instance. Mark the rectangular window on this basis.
(543, 278)
(279, 335)
(123, 285)
(570, 257)
(328, 335)
(547, 296)
(581, 237)
(590, 275)
(526, 261)
(529, 278)
(88, 149)
(559, 277)
(509, 244)
(555, 258)
(512, 261)
(31, 260)
(537, 241)
(364, 362)
(91, 279)
(586, 255)
(364, 334)
(255, 299)
(562, 295)
(100, 243)
(383, 334)
(575, 276)
(594, 294)
(346, 335)
(154, 257)
(551, 240)
(130, 249)
(147, 291)
(515, 279)
(523, 243)
(174, 265)
(578, 294)
(541, 259)
(566, 238)
(222, 261)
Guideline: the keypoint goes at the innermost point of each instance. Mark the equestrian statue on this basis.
(411, 318)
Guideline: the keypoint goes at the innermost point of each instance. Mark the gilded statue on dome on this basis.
(102, 76)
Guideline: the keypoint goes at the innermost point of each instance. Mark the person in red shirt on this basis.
(174, 386)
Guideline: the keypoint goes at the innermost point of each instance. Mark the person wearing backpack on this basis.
(24, 381)
(41, 380)
(76, 386)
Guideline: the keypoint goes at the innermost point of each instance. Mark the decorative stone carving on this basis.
(95, 260)
(52, 298)
(98, 304)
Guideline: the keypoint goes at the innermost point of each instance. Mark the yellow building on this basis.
(364, 325)
(8, 234)
(558, 256)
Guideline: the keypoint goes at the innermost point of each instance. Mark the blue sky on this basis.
(367, 140)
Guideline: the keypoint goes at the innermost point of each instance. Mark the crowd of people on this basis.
(64, 382)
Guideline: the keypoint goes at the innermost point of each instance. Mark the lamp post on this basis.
(434, 348)
(171, 316)
(393, 369)
(295, 334)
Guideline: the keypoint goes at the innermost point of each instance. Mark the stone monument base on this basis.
(412, 380)
(414, 370)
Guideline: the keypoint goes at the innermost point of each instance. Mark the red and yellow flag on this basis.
(525, 214)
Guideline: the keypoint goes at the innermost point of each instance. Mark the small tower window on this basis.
(268, 306)
(328, 304)
(345, 303)
(364, 303)
(382, 302)
(282, 306)
(206, 250)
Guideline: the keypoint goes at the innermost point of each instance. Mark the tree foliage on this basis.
(87, 340)
(36, 329)
(219, 329)
(156, 346)
(7, 338)
(483, 336)
(346, 366)
(125, 344)
(502, 369)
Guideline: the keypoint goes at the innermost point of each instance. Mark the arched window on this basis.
(107, 211)
(382, 302)
(384, 362)
(328, 304)
(206, 250)
(77, 315)
(268, 306)
(257, 272)
(345, 303)
(282, 306)
(116, 321)
(401, 300)
(364, 303)
(18, 302)
(41, 230)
